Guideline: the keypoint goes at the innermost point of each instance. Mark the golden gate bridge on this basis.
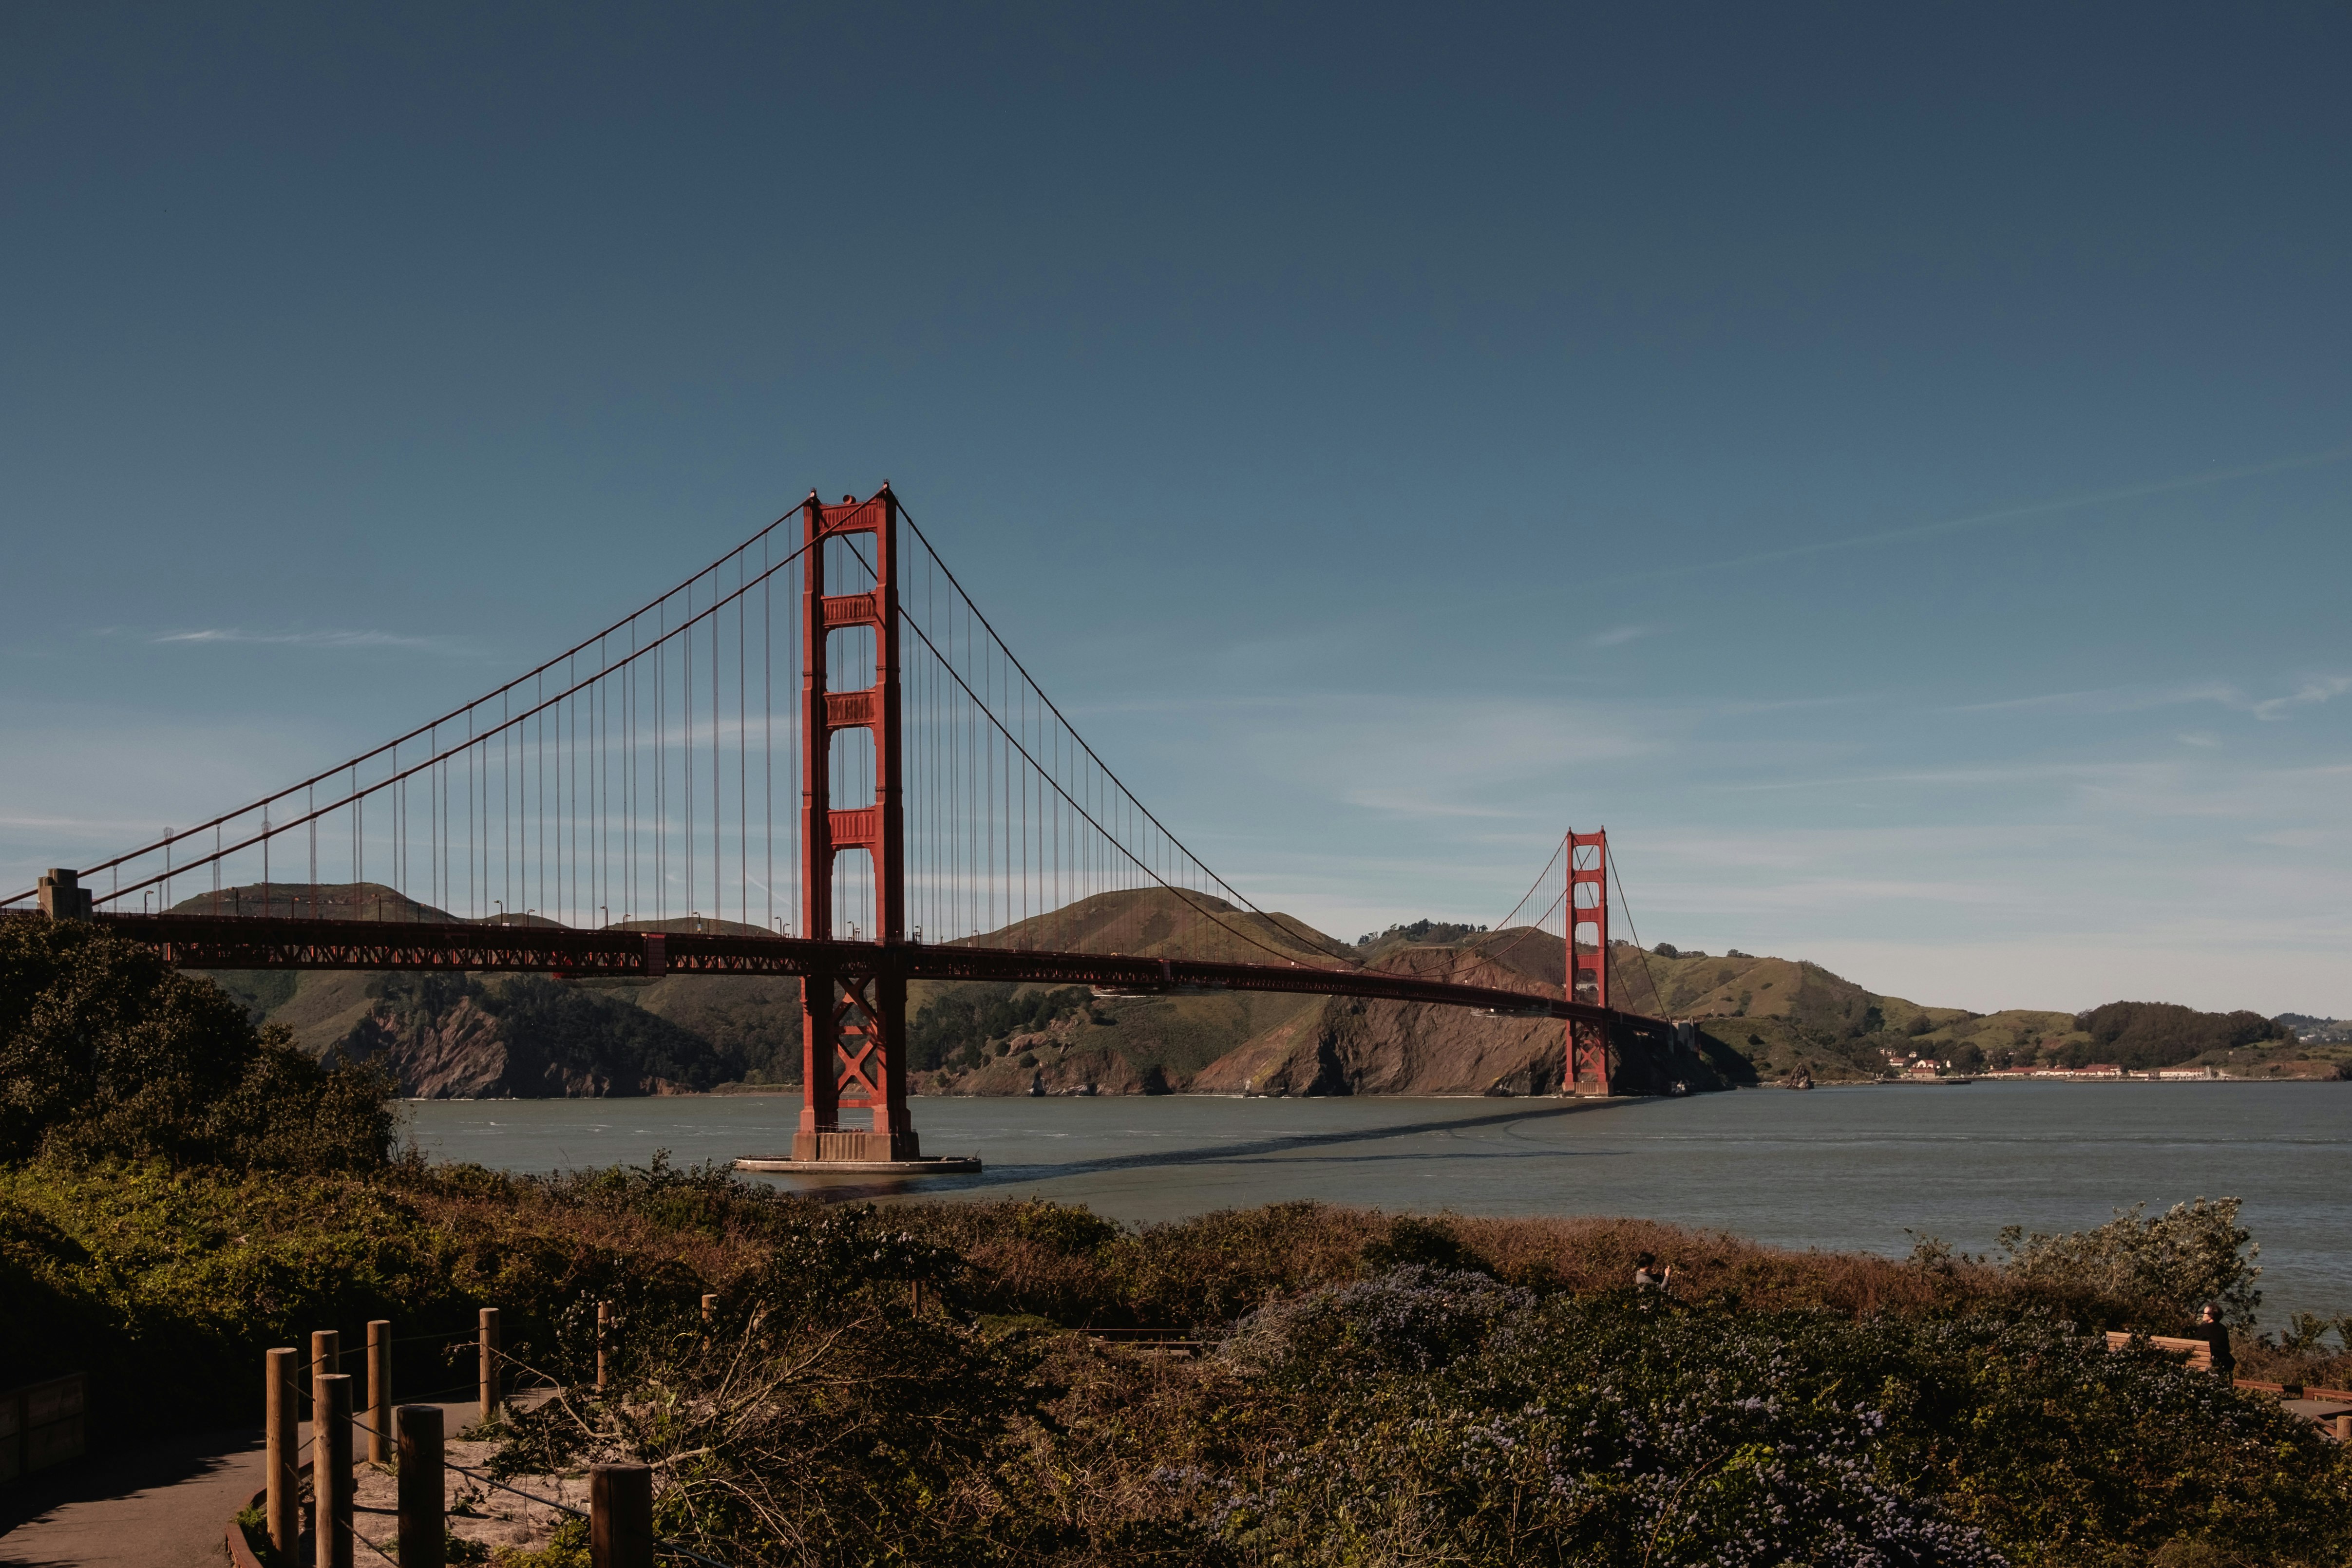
(815, 756)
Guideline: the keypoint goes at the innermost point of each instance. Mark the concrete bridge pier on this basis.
(62, 896)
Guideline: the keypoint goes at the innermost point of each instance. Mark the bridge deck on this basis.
(262, 942)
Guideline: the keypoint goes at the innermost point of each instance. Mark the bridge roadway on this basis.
(269, 942)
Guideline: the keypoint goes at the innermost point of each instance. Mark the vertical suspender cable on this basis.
(717, 886)
(661, 777)
(768, 729)
(742, 758)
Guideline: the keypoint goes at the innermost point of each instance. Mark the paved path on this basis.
(161, 1506)
(166, 1505)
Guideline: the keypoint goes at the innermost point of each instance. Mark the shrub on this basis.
(820, 1422)
(2193, 1253)
(1623, 1428)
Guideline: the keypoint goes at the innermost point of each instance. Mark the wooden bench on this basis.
(2200, 1354)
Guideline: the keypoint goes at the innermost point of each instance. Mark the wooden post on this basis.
(604, 1342)
(380, 1392)
(2344, 1429)
(709, 1310)
(489, 1336)
(331, 1469)
(620, 1516)
(424, 1521)
(283, 1507)
(325, 1360)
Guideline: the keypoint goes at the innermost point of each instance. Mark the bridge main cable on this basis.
(317, 813)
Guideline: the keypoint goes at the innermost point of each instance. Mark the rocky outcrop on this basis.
(460, 1056)
(456, 1037)
(1047, 1062)
(468, 1054)
(1097, 1071)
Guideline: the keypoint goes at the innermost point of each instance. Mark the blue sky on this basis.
(1892, 467)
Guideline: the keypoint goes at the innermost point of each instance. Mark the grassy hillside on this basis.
(996, 1039)
(1780, 1014)
(1154, 922)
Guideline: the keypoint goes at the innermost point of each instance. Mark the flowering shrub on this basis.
(1409, 1320)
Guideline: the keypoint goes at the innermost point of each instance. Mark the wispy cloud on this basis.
(2310, 692)
(2067, 700)
(1779, 705)
(1955, 778)
(1411, 805)
(2022, 512)
(325, 639)
(2139, 699)
(1618, 636)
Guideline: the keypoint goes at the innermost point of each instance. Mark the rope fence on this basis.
(621, 1497)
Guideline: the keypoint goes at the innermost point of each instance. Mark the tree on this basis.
(107, 1051)
(2142, 1035)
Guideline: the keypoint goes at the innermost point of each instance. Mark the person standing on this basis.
(2216, 1335)
(1649, 1274)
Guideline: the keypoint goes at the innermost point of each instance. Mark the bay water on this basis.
(1865, 1169)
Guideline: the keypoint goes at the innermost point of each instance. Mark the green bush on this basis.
(2193, 1253)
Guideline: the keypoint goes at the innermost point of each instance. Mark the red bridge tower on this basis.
(1588, 973)
(853, 1027)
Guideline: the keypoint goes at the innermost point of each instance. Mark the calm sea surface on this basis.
(1846, 1169)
